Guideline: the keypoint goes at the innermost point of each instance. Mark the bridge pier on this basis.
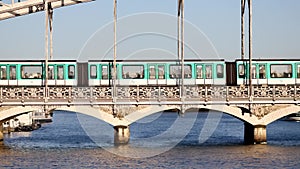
(255, 134)
(121, 134)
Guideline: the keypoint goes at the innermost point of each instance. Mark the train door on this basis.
(3, 75)
(60, 75)
(71, 76)
(94, 77)
(254, 74)
(219, 76)
(199, 74)
(241, 74)
(208, 76)
(12, 79)
(152, 80)
(51, 75)
(262, 76)
(157, 74)
(298, 74)
(161, 74)
(105, 74)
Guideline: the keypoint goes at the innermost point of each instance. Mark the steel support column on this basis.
(243, 5)
(243, 29)
(46, 49)
(181, 44)
(115, 59)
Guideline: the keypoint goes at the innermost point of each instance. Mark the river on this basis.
(200, 140)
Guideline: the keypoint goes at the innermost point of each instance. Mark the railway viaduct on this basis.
(133, 103)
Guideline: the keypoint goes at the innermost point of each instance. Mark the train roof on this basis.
(162, 60)
(269, 60)
(37, 61)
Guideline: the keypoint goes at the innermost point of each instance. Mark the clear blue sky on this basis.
(276, 28)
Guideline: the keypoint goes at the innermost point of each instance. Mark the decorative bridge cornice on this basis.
(150, 95)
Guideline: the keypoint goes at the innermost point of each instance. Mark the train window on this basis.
(199, 72)
(161, 72)
(262, 71)
(254, 72)
(60, 72)
(281, 71)
(220, 71)
(151, 72)
(93, 72)
(31, 72)
(50, 72)
(12, 73)
(133, 72)
(298, 73)
(241, 71)
(104, 72)
(175, 71)
(208, 71)
(71, 72)
(3, 73)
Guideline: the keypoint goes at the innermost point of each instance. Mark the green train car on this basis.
(32, 73)
(159, 72)
(149, 72)
(268, 72)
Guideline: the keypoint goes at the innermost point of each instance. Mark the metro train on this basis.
(149, 72)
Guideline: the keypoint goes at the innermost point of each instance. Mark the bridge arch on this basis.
(231, 110)
(277, 114)
(137, 115)
(10, 113)
(234, 111)
(97, 113)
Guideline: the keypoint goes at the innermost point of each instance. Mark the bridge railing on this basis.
(150, 95)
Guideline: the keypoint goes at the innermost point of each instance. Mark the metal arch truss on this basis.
(149, 95)
(32, 6)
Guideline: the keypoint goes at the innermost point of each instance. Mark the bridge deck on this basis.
(145, 95)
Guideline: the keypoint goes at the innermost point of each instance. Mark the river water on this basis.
(201, 140)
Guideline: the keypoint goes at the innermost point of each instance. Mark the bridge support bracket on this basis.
(255, 134)
(121, 135)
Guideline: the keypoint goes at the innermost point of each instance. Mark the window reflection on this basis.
(199, 72)
(50, 72)
(133, 72)
(262, 72)
(152, 72)
(60, 72)
(281, 71)
(298, 71)
(93, 71)
(12, 72)
(175, 71)
(3, 73)
(241, 71)
(104, 72)
(208, 71)
(220, 71)
(254, 72)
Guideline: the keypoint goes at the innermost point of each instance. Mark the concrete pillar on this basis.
(255, 134)
(260, 134)
(121, 134)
